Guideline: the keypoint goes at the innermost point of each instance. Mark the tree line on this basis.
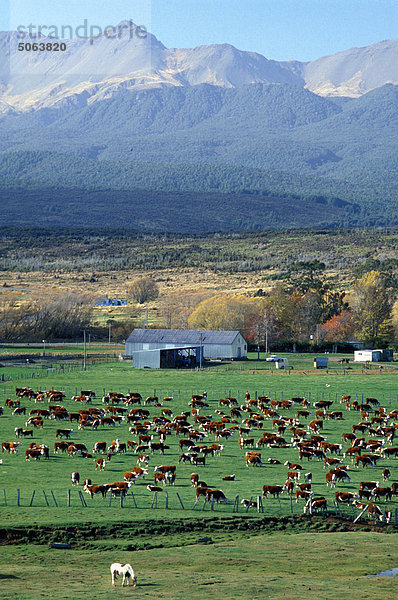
(305, 308)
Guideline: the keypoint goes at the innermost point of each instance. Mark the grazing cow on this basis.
(126, 571)
(365, 461)
(308, 477)
(387, 452)
(63, 433)
(376, 512)
(253, 458)
(304, 494)
(75, 477)
(386, 473)
(246, 442)
(315, 504)
(331, 462)
(61, 446)
(159, 478)
(217, 448)
(368, 485)
(216, 496)
(129, 476)
(100, 464)
(20, 410)
(194, 479)
(344, 497)
(143, 459)
(275, 490)
(289, 486)
(96, 489)
(201, 491)
(341, 474)
(139, 472)
(99, 447)
(107, 421)
(295, 475)
(156, 446)
(33, 453)
(331, 478)
(382, 492)
(11, 447)
(198, 460)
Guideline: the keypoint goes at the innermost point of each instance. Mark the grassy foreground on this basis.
(279, 566)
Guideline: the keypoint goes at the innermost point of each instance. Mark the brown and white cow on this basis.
(100, 463)
(274, 490)
(75, 477)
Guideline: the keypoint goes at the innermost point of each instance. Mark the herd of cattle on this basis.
(254, 425)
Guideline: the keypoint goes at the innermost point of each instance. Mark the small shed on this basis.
(321, 362)
(384, 355)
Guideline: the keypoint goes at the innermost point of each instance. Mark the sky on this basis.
(279, 29)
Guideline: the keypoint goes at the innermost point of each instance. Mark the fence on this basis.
(164, 500)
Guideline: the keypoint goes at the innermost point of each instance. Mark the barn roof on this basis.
(181, 336)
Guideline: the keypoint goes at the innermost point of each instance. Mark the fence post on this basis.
(68, 499)
(167, 498)
(236, 505)
(18, 498)
(178, 496)
(135, 503)
(82, 500)
(259, 504)
(45, 498)
(31, 500)
(55, 502)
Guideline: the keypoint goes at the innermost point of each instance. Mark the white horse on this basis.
(126, 571)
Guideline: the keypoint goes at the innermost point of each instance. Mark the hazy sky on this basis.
(278, 29)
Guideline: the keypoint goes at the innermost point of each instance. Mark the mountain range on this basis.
(130, 114)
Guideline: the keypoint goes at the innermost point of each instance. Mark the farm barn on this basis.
(215, 344)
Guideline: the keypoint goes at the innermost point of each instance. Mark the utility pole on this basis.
(258, 342)
(85, 351)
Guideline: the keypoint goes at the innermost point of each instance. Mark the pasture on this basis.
(53, 475)
(275, 554)
(238, 565)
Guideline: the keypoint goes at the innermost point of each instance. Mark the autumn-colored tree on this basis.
(371, 302)
(284, 304)
(339, 328)
(219, 313)
(144, 289)
(176, 307)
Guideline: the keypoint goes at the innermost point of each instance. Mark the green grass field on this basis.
(54, 474)
(244, 566)
(276, 567)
